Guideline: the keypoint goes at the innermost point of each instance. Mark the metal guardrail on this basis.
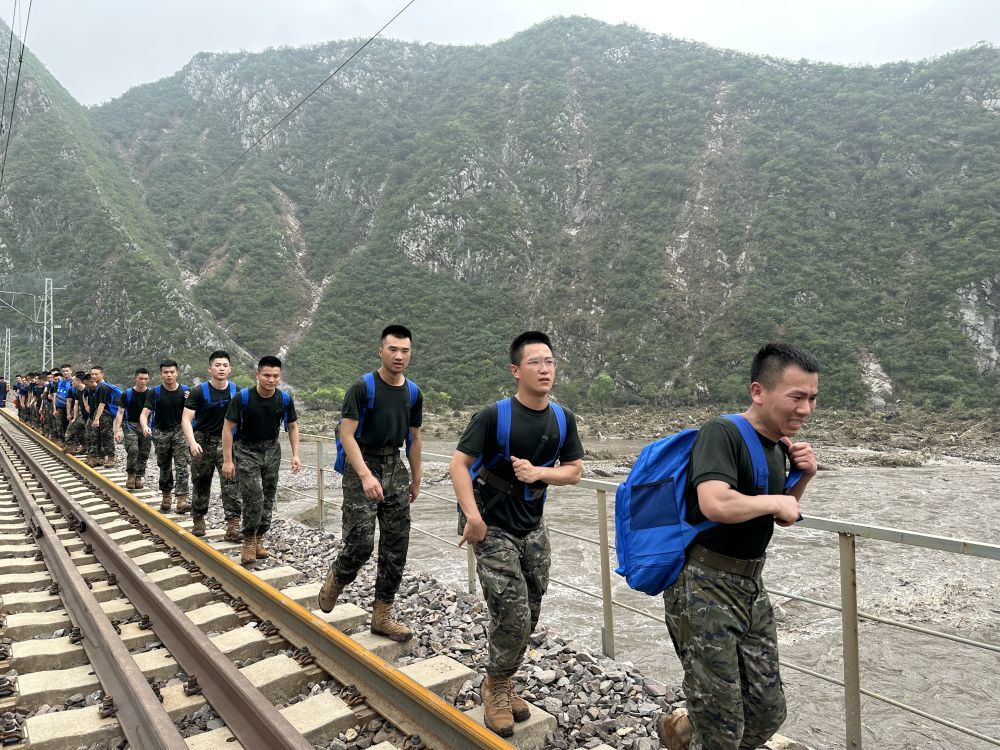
(848, 534)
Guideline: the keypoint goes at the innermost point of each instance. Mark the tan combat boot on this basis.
(496, 706)
(198, 526)
(140, 481)
(383, 623)
(109, 462)
(248, 555)
(130, 482)
(518, 706)
(93, 461)
(675, 730)
(330, 592)
(166, 501)
(233, 530)
(182, 505)
(261, 550)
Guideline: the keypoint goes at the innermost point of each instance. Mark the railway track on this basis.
(102, 592)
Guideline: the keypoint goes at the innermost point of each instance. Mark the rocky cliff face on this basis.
(661, 207)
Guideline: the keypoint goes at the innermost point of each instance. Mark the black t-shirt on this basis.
(528, 427)
(263, 418)
(133, 403)
(168, 407)
(720, 453)
(102, 395)
(388, 422)
(88, 399)
(208, 418)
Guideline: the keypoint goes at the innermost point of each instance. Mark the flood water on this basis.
(936, 590)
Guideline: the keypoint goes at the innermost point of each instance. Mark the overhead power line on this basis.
(291, 111)
(6, 73)
(13, 105)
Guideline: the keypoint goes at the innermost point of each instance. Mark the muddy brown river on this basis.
(936, 590)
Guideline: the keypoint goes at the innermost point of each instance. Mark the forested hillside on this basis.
(660, 206)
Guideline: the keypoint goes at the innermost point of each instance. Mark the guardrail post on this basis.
(608, 629)
(320, 482)
(849, 620)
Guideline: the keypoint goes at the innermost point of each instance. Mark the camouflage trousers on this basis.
(257, 466)
(137, 448)
(76, 432)
(202, 469)
(722, 627)
(359, 516)
(514, 574)
(60, 424)
(100, 439)
(173, 458)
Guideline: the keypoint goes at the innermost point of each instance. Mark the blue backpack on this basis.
(286, 401)
(340, 462)
(156, 397)
(652, 533)
(504, 412)
(206, 396)
(113, 402)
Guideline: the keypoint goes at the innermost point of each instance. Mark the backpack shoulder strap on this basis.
(561, 422)
(369, 378)
(206, 395)
(286, 401)
(412, 392)
(232, 391)
(756, 450)
(503, 427)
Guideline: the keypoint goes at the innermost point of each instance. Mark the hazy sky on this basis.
(100, 48)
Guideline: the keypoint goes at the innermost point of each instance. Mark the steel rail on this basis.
(396, 697)
(141, 716)
(255, 722)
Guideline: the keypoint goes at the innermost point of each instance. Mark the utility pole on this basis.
(6, 357)
(48, 357)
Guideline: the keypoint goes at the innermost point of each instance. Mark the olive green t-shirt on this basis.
(720, 453)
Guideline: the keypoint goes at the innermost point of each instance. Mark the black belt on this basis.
(748, 568)
(379, 451)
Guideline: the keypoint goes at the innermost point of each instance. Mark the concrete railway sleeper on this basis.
(244, 613)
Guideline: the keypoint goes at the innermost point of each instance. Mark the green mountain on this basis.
(660, 206)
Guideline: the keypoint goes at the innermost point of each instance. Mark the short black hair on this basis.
(268, 361)
(141, 371)
(219, 354)
(528, 337)
(86, 377)
(80, 374)
(66, 365)
(772, 359)
(54, 372)
(97, 367)
(400, 332)
(164, 363)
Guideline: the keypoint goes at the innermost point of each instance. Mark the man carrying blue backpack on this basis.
(510, 453)
(382, 412)
(204, 413)
(717, 611)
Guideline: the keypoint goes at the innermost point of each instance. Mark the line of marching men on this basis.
(739, 488)
(195, 433)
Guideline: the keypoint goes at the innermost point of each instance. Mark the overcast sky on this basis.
(99, 49)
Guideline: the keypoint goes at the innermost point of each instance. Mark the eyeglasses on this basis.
(537, 362)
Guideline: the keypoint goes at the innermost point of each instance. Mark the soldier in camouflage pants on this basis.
(172, 453)
(731, 680)
(201, 479)
(257, 466)
(137, 448)
(360, 514)
(514, 574)
(101, 442)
